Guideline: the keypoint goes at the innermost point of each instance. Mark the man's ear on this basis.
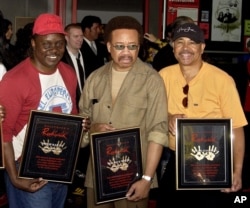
(203, 45)
(66, 38)
(108, 46)
(33, 44)
(172, 44)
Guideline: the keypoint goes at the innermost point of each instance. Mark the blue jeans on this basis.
(52, 195)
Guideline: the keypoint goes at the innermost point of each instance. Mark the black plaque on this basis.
(117, 163)
(51, 146)
(203, 154)
(1, 148)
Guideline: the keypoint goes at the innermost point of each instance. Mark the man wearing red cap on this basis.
(40, 82)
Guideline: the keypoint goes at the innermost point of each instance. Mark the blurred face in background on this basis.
(93, 32)
(124, 48)
(9, 33)
(74, 38)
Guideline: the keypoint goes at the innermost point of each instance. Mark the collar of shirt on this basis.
(73, 56)
(89, 42)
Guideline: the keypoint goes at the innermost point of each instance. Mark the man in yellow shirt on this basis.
(196, 89)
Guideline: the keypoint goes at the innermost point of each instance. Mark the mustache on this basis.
(125, 57)
(186, 52)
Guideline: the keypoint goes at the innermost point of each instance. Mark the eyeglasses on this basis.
(121, 47)
(185, 99)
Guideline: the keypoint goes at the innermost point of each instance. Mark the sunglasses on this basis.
(121, 47)
(185, 99)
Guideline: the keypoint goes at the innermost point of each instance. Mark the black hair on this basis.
(23, 41)
(6, 23)
(122, 22)
(88, 21)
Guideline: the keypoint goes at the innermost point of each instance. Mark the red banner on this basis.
(182, 7)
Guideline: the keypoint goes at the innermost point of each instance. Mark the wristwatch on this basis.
(147, 178)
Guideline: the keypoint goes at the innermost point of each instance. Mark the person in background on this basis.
(73, 57)
(152, 45)
(73, 54)
(197, 89)
(94, 52)
(160, 51)
(1, 26)
(128, 94)
(22, 45)
(165, 55)
(27, 87)
(6, 47)
(160, 42)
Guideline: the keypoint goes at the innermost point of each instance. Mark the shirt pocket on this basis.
(133, 110)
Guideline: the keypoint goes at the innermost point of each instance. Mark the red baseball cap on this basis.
(47, 24)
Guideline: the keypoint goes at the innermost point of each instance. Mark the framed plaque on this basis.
(51, 146)
(117, 162)
(203, 154)
(1, 148)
